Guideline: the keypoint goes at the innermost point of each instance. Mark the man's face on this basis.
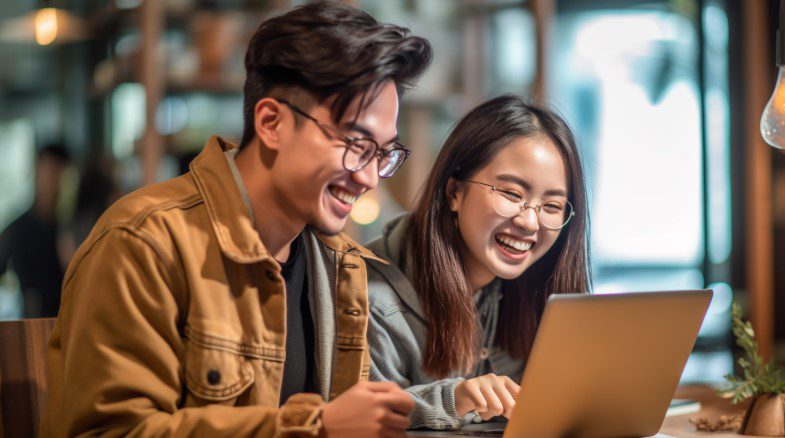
(309, 177)
(49, 177)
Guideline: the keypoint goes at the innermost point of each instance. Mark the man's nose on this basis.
(368, 176)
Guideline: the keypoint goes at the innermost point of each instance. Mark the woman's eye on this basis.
(553, 207)
(512, 196)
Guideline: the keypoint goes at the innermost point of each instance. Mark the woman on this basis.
(500, 225)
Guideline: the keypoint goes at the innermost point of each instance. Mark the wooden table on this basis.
(712, 407)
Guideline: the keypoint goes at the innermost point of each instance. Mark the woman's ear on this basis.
(454, 194)
(268, 119)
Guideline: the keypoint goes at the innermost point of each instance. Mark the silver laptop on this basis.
(606, 365)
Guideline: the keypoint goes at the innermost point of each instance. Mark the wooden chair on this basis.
(22, 375)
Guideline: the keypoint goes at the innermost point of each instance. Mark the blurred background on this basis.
(100, 97)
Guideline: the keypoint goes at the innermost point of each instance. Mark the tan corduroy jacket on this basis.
(173, 318)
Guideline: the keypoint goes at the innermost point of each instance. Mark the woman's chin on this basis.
(507, 272)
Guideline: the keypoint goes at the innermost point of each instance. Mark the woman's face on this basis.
(529, 169)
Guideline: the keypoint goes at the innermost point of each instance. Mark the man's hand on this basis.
(490, 395)
(368, 409)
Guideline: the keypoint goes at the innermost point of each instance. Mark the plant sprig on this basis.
(759, 378)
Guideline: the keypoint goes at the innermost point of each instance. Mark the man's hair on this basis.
(324, 50)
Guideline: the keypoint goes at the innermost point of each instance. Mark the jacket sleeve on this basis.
(114, 360)
(391, 355)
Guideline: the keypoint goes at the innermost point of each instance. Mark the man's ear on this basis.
(454, 194)
(268, 121)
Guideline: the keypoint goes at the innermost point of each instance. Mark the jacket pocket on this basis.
(214, 371)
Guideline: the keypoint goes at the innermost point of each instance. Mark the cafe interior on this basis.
(666, 97)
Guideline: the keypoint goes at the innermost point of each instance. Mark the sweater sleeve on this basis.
(391, 357)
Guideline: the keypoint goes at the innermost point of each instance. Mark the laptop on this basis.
(605, 365)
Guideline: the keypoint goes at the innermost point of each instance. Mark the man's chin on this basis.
(329, 229)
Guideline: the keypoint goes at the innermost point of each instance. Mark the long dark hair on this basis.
(434, 240)
(328, 49)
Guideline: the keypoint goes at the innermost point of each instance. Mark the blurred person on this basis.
(490, 238)
(31, 243)
(95, 193)
(226, 301)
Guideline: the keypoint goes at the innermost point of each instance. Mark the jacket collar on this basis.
(343, 243)
(230, 217)
(392, 246)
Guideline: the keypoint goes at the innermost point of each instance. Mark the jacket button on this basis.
(484, 353)
(353, 312)
(271, 276)
(213, 377)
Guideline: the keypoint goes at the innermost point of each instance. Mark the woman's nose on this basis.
(527, 219)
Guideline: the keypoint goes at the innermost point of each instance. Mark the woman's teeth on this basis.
(516, 244)
(343, 195)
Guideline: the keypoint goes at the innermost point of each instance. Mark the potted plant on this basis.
(763, 382)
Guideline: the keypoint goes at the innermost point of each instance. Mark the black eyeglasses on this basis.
(361, 150)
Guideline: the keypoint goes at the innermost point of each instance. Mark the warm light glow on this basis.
(772, 121)
(366, 209)
(46, 26)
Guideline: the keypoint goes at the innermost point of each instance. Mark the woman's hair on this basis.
(435, 241)
(328, 49)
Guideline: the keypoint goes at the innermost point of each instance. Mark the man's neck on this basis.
(276, 228)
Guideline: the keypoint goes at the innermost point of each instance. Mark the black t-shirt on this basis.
(299, 368)
(29, 245)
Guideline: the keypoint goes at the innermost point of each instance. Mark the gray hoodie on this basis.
(397, 334)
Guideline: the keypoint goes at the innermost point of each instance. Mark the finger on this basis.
(395, 420)
(495, 406)
(511, 386)
(381, 386)
(399, 401)
(476, 397)
(508, 401)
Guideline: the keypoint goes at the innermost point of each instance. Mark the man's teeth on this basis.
(514, 243)
(343, 195)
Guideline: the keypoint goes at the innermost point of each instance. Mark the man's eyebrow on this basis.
(357, 127)
(516, 180)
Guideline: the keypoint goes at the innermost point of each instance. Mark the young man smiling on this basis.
(226, 301)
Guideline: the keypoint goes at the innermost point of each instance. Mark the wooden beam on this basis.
(152, 74)
(758, 86)
(544, 12)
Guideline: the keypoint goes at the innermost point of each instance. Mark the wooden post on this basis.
(475, 30)
(757, 174)
(419, 120)
(544, 12)
(152, 75)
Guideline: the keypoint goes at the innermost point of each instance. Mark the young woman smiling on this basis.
(501, 224)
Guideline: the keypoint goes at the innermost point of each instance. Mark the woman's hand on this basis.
(489, 395)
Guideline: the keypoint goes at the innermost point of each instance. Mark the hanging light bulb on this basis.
(45, 26)
(772, 121)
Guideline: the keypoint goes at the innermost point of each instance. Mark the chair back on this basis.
(22, 375)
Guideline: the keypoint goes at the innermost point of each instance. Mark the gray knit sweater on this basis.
(397, 333)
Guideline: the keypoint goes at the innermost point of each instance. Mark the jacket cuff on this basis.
(300, 416)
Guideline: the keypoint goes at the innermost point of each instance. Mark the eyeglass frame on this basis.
(536, 207)
(378, 152)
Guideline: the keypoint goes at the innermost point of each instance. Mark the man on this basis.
(30, 244)
(212, 304)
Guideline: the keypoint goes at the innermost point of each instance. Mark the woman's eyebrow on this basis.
(517, 180)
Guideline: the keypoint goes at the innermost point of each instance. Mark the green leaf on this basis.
(758, 377)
